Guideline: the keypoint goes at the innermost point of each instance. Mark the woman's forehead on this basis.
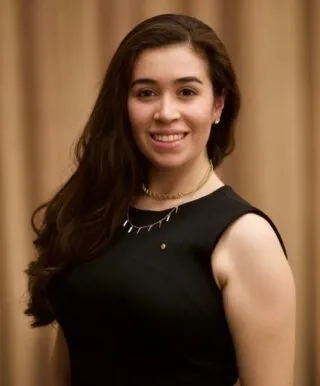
(170, 62)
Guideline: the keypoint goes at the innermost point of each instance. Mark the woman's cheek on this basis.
(141, 116)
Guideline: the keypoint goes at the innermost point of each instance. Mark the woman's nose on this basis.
(167, 111)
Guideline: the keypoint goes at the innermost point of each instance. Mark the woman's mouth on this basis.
(168, 138)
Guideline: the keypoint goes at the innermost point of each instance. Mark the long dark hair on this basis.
(83, 215)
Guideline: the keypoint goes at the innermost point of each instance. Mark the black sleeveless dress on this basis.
(148, 315)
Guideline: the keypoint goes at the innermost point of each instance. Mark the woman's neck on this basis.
(180, 180)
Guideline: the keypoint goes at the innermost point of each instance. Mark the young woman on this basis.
(156, 272)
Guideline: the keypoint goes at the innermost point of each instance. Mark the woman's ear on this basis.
(218, 106)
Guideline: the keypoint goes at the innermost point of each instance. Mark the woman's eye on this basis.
(186, 92)
(145, 93)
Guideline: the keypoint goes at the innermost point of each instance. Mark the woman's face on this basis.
(171, 105)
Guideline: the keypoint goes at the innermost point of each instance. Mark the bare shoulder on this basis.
(249, 246)
(258, 293)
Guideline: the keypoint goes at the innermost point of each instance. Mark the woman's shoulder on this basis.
(245, 221)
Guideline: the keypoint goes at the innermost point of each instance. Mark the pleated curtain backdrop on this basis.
(53, 56)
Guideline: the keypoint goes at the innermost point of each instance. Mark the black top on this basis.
(143, 315)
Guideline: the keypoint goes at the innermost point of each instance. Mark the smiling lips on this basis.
(168, 138)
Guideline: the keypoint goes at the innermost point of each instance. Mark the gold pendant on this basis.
(163, 246)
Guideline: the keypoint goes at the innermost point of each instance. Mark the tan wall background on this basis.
(53, 56)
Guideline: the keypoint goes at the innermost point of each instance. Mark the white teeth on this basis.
(168, 138)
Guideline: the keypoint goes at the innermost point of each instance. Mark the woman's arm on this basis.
(60, 362)
(259, 299)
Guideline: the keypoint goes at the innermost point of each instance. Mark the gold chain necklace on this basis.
(175, 196)
(136, 228)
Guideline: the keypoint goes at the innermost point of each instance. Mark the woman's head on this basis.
(114, 150)
(165, 48)
(172, 107)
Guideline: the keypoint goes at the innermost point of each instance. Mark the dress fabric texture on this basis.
(142, 315)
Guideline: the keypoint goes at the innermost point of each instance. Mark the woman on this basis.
(156, 272)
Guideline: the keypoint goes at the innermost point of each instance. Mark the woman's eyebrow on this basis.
(185, 79)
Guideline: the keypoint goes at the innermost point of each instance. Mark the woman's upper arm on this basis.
(60, 362)
(259, 299)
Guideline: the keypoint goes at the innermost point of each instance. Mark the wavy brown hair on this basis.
(81, 218)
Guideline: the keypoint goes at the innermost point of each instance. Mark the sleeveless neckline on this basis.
(190, 203)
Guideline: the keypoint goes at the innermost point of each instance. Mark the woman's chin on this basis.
(167, 163)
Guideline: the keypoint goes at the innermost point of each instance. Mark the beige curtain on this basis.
(53, 55)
